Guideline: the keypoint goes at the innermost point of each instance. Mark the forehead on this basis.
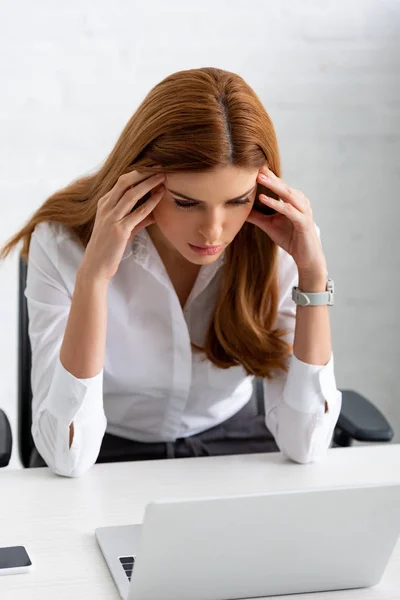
(220, 183)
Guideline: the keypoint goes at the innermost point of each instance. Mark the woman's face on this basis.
(222, 201)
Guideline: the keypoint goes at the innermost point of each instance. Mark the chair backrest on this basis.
(25, 440)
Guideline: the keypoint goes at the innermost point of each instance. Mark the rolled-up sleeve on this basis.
(295, 401)
(58, 398)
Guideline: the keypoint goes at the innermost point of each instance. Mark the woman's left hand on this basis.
(292, 227)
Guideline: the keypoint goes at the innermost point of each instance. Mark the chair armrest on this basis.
(360, 420)
(5, 440)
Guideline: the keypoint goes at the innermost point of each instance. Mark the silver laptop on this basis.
(255, 545)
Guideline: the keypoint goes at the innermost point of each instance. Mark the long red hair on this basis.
(196, 120)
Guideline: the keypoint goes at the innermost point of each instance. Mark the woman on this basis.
(148, 320)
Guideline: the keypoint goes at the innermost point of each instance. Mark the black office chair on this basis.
(359, 419)
(5, 439)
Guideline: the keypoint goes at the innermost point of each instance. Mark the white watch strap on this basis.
(314, 298)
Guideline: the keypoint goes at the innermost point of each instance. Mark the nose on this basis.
(211, 229)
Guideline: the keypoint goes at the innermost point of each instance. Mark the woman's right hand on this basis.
(115, 225)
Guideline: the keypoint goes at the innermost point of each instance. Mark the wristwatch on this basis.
(314, 298)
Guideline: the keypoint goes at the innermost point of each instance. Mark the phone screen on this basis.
(12, 557)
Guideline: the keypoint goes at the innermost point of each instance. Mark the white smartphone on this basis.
(14, 559)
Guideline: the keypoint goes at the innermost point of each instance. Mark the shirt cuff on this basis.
(308, 386)
(69, 396)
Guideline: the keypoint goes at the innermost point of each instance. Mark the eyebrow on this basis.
(203, 201)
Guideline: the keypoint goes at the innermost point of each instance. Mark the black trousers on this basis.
(244, 433)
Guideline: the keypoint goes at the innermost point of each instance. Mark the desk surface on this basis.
(55, 517)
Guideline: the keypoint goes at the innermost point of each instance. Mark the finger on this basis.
(284, 191)
(149, 220)
(123, 184)
(103, 200)
(283, 208)
(133, 195)
(140, 182)
(254, 218)
(135, 218)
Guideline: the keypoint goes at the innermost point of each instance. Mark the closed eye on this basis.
(184, 204)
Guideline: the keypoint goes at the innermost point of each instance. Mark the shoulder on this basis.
(50, 232)
(55, 245)
(56, 238)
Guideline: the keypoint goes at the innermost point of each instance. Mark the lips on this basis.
(206, 247)
(206, 250)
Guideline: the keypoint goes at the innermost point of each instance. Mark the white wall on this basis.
(328, 73)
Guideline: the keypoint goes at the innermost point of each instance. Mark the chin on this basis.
(202, 260)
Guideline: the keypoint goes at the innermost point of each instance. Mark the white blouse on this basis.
(152, 386)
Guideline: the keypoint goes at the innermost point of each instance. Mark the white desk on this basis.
(54, 517)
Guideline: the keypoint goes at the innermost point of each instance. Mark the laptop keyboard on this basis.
(127, 563)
